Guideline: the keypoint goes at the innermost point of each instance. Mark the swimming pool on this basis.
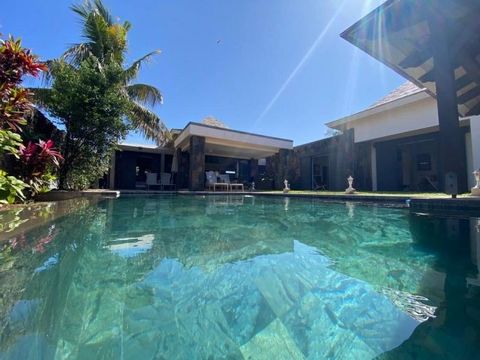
(198, 277)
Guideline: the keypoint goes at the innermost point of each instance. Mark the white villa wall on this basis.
(414, 117)
(469, 153)
(473, 149)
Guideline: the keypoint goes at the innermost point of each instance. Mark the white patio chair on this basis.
(151, 180)
(223, 183)
(166, 180)
(210, 179)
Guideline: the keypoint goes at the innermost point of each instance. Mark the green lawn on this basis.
(373, 193)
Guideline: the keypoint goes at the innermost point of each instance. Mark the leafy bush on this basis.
(10, 142)
(11, 188)
(15, 63)
(90, 104)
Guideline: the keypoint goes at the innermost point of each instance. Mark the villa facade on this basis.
(424, 136)
(391, 146)
(198, 148)
(395, 146)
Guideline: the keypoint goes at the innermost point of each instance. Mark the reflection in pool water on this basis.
(241, 277)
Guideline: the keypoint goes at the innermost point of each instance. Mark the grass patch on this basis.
(412, 195)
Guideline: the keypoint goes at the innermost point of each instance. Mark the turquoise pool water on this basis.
(239, 277)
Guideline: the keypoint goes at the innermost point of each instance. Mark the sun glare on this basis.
(302, 62)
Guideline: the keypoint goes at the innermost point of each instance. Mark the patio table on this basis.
(236, 185)
(224, 184)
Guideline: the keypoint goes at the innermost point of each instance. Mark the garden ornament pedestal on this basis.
(286, 189)
(475, 191)
(350, 189)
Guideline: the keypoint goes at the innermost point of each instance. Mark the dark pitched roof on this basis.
(402, 91)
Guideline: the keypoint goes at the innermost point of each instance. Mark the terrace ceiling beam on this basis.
(475, 110)
(471, 66)
(461, 82)
(469, 95)
(415, 59)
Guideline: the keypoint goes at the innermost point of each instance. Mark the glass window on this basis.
(424, 162)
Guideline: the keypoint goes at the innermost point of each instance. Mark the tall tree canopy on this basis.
(105, 42)
(93, 97)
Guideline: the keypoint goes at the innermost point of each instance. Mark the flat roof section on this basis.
(145, 148)
(232, 143)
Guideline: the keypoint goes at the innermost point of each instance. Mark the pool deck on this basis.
(418, 202)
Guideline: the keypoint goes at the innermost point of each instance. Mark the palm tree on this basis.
(106, 41)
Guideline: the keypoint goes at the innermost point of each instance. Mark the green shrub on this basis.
(11, 188)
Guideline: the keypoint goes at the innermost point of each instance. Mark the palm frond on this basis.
(46, 76)
(77, 53)
(96, 21)
(82, 9)
(145, 94)
(104, 13)
(132, 71)
(40, 96)
(96, 32)
(127, 25)
(148, 123)
(87, 7)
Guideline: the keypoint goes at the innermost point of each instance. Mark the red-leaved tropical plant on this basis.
(38, 157)
(38, 160)
(34, 170)
(15, 63)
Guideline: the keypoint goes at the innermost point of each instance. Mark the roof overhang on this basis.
(231, 143)
(143, 148)
(398, 33)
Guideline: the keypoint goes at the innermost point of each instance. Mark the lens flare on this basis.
(302, 62)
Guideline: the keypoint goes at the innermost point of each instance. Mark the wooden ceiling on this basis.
(399, 34)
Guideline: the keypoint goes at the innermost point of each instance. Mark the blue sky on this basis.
(280, 68)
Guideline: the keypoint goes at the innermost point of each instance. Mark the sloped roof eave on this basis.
(387, 106)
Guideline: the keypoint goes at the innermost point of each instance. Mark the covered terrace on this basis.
(238, 154)
(436, 45)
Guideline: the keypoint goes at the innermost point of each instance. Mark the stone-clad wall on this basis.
(363, 166)
(183, 169)
(282, 166)
(197, 163)
(296, 165)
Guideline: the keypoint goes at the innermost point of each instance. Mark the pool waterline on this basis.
(239, 276)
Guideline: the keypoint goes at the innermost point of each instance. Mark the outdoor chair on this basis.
(319, 185)
(152, 180)
(224, 182)
(166, 181)
(211, 179)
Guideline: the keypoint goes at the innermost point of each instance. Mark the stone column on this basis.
(282, 168)
(374, 167)
(197, 163)
(181, 179)
(253, 169)
(162, 164)
(111, 180)
(451, 139)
